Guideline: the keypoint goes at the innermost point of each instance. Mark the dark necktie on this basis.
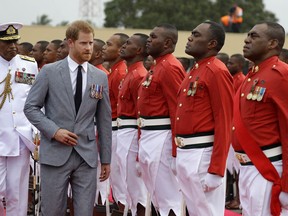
(78, 92)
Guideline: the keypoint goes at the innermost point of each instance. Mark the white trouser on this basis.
(117, 184)
(255, 191)
(14, 182)
(191, 167)
(127, 151)
(155, 157)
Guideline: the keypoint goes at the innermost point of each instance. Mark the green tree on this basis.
(184, 14)
(42, 20)
(63, 23)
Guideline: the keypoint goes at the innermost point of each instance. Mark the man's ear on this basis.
(273, 43)
(168, 42)
(212, 44)
(70, 42)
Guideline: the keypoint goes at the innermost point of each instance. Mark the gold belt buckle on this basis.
(242, 158)
(140, 122)
(118, 122)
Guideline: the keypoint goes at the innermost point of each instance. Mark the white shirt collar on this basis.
(74, 65)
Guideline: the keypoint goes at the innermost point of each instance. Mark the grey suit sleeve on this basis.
(34, 103)
(104, 125)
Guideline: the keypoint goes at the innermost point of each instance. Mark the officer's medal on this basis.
(148, 79)
(256, 92)
(261, 93)
(250, 94)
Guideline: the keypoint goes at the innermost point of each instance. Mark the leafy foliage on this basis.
(184, 14)
(42, 20)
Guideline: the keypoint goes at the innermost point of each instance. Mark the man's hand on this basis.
(105, 172)
(284, 200)
(211, 182)
(66, 137)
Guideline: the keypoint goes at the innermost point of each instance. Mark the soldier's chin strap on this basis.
(7, 91)
(259, 159)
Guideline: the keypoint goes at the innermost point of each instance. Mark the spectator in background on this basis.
(50, 54)
(224, 57)
(25, 48)
(237, 18)
(38, 52)
(284, 55)
(148, 62)
(235, 66)
(63, 50)
(226, 22)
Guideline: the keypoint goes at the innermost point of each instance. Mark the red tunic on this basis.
(267, 119)
(159, 98)
(210, 109)
(117, 74)
(100, 66)
(238, 79)
(128, 93)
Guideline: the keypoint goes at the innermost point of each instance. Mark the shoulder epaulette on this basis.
(27, 58)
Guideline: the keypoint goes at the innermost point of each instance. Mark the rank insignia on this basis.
(25, 78)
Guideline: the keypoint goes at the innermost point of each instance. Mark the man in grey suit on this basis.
(68, 151)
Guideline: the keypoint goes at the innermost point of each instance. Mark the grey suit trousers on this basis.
(54, 186)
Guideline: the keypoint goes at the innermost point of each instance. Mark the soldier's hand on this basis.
(211, 182)
(284, 199)
(66, 137)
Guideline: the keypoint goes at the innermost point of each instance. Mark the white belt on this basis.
(181, 141)
(126, 122)
(114, 123)
(243, 158)
(153, 122)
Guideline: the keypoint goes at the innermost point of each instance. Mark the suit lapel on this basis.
(65, 74)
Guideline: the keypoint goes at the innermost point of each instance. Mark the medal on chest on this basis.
(193, 87)
(148, 79)
(256, 92)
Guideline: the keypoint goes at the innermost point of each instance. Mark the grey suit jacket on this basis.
(53, 91)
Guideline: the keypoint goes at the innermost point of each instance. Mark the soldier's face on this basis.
(111, 49)
(156, 42)
(257, 43)
(8, 49)
(130, 48)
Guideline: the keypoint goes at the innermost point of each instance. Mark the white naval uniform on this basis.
(15, 138)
